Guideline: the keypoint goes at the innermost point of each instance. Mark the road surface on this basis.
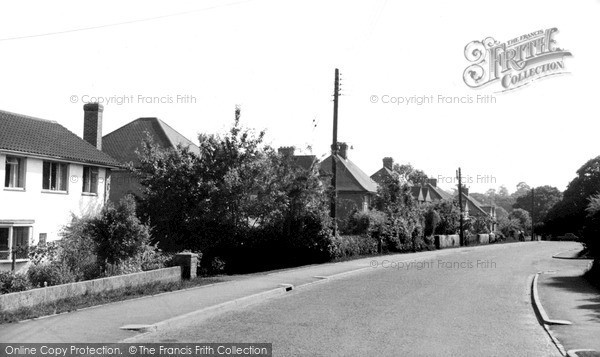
(471, 302)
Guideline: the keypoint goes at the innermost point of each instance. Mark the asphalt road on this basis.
(473, 302)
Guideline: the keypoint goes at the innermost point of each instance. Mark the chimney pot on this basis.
(92, 124)
(286, 150)
(343, 150)
(388, 162)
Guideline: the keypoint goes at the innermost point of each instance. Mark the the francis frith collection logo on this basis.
(514, 63)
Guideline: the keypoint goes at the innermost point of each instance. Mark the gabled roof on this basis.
(305, 161)
(473, 206)
(381, 174)
(123, 142)
(350, 178)
(38, 137)
(427, 192)
(437, 193)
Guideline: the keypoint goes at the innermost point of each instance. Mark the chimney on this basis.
(92, 124)
(388, 162)
(286, 150)
(343, 150)
(432, 182)
(465, 190)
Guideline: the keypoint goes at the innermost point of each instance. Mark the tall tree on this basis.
(568, 215)
(410, 174)
(545, 197)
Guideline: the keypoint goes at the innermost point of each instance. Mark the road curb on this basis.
(573, 353)
(558, 255)
(207, 312)
(538, 305)
(539, 309)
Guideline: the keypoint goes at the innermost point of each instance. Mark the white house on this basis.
(47, 174)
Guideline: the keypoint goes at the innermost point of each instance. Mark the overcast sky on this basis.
(277, 59)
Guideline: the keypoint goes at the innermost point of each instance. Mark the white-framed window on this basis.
(365, 203)
(90, 180)
(54, 177)
(14, 238)
(14, 174)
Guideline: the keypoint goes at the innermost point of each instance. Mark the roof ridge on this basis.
(354, 178)
(162, 124)
(131, 122)
(24, 116)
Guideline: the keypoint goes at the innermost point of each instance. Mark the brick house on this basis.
(354, 187)
(123, 143)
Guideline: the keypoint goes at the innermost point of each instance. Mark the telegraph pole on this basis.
(461, 233)
(334, 150)
(532, 208)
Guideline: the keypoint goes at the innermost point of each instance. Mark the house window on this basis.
(54, 176)
(15, 172)
(14, 239)
(90, 179)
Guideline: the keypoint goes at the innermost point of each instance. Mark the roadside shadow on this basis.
(578, 284)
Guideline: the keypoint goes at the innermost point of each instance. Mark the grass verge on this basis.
(88, 300)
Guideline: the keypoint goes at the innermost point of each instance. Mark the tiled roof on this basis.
(438, 193)
(349, 176)
(473, 205)
(305, 161)
(28, 135)
(381, 174)
(123, 142)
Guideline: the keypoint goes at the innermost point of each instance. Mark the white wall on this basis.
(50, 210)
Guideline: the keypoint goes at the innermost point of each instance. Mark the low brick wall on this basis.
(33, 297)
(447, 241)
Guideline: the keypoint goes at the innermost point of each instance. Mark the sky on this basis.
(190, 62)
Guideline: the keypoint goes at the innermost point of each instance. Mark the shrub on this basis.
(153, 258)
(54, 273)
(354, 245)
(366, 223)
(76, 249)
(43, 252)
(508, 227)
(118, 234)
(11, 282)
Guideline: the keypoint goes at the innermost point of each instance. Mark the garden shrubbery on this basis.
(11, 282)
(112, 243)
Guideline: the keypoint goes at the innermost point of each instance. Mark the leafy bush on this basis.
(50, 273)
(509, 226)
(11, 282)
(370, 223)
(77, 250)
(441, 217)
(238, 200)
(354, 245)
(118, 234)
(153, 258)
(44, 252)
